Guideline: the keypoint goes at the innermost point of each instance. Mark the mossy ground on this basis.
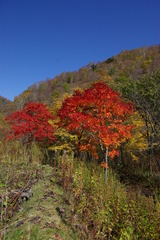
(38, 218)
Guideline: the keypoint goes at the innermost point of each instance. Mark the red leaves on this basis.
(32, 124)
(98, 113)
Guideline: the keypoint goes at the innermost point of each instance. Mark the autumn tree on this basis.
(97, 115)
(145, 93)
(32, 124)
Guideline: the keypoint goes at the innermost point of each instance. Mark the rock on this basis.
(19, 224)
(26, 195)
(60, 211)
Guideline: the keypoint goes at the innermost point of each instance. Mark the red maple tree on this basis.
(97, 115)
(32, 124)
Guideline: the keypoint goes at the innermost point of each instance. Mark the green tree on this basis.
(145, 93)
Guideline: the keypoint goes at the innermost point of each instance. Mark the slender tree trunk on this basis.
(156, 159)
(106, 158)
(152, 141)
(149, 145)
(121, 154)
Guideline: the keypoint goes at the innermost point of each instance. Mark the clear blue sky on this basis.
(39, 39)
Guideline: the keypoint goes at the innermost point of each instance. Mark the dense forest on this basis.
(91, 138)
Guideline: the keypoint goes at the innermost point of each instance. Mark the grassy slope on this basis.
(38, 217)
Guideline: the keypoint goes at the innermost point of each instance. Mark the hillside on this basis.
(6, 106)
(129, 63)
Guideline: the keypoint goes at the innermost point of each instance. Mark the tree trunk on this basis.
(149, 145)
(121, 154)
(106, 158)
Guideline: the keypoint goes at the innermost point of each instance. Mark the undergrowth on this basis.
(106, 211)
(17, 173)
(99, 210)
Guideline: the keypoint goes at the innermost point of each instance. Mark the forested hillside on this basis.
(128, 64)
(6, 106)
(98, 130)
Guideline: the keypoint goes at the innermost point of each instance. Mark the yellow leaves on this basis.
(57, 102)
(137, 120)
(3, 127)
(56, 105)
(134, 157)
(61, 147)
(139, 136)
(65, 140)
(139, 139)
(107, 79)
(64, 134)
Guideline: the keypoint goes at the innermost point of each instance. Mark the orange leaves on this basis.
(113, 153)
(103, 164)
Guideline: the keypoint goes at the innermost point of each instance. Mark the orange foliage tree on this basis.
(97, 115)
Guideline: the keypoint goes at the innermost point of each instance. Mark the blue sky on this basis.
(40, 39)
